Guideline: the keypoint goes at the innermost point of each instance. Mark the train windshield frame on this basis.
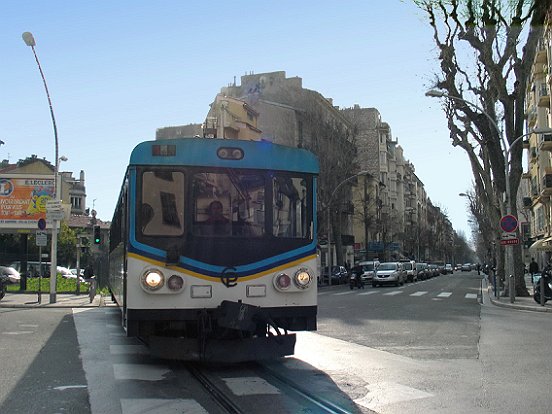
(195, 207)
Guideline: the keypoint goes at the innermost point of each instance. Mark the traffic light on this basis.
(97, 235)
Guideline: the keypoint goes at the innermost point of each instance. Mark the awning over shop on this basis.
(544, 244)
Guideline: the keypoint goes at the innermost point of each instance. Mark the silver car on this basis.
(389, 272)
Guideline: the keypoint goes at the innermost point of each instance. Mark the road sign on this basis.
(509, 223)
(53, 204)
(41, 224)
(508, 242)
(41, 238)
(54, 215)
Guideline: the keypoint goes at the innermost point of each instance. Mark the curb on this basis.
(516, 305)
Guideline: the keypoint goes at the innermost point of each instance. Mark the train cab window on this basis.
(228, 204)
(161, 212)
(290, 207)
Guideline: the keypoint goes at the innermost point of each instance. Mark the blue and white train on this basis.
(213, 248)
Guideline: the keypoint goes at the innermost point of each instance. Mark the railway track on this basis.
(276, 392)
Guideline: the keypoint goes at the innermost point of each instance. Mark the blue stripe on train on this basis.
(211, 270)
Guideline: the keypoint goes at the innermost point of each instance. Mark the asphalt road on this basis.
(40, 365)
(434, 318)
(427, 347)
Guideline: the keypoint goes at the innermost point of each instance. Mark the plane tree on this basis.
(486, 50)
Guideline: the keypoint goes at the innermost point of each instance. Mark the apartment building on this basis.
(535, 198)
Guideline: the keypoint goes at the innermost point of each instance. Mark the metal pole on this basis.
(29, 41)
(39, 291)
(329, 249)
(78, 266)
(541, 281)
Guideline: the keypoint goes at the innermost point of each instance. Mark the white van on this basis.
(411, 270)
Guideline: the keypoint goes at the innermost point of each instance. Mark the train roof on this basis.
(205, 152)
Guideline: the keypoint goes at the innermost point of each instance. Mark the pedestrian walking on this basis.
(533, 268)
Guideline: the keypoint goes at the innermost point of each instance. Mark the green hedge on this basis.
(62, 286)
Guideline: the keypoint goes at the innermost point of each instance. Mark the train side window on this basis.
(162, 209)
(290, 207)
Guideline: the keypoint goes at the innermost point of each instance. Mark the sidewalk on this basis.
(63, 300)
(523, 303)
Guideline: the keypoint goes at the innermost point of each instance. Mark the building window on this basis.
(76, 202)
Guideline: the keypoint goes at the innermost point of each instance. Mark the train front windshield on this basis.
(195, 210)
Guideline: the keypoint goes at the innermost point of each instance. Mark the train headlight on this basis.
(153, 280)
(302, 278)
(282, 281)
(175, 282)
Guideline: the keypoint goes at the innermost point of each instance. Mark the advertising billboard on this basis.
(23, 200)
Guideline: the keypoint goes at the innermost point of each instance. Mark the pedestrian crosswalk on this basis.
(383, 292)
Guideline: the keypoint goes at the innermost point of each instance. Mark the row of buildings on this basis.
(385, 213)
(536, 186)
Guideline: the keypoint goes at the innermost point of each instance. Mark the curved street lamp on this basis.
(29, 41)
(507, 149)
(329, 220)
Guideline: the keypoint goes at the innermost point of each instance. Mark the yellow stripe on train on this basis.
(216, 279)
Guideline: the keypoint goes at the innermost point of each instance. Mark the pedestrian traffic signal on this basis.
(97, 235)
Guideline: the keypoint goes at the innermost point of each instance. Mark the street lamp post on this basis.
(329, 205)
(29, 41)
(507, 149)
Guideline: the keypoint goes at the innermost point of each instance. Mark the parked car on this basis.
(466, 267)
(433, 269)
(389, 272)
(422, 271)
(449, 269)
(339, 275)
(67, 274)
(366, 270)
(411, 272)
(12, 274)
(74, 272)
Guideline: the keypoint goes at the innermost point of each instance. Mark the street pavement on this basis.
(522, 303)
(63, 300)
(71, 300)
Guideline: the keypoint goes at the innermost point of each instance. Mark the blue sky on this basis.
(118, 70)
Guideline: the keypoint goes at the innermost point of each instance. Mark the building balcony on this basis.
(546, 189)
(544, 96)
(546, 142)
(540, 56)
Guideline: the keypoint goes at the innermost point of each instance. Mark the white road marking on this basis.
(17, 332)
(471, 296)
(250, 386)
(444, 294)
(69, 387)
(128, 349)
(419, 293)
(139, 372)
(158, 405)
(27, 325)
(370, 292)
(384, 393)
(349, 292)
(395, 292)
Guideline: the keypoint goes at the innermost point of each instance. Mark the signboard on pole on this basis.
(41, 238)
(509, 223)
(508, 242)
(23, 199)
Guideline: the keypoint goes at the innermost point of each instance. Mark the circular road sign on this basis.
(509, 223)
(41, 224)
